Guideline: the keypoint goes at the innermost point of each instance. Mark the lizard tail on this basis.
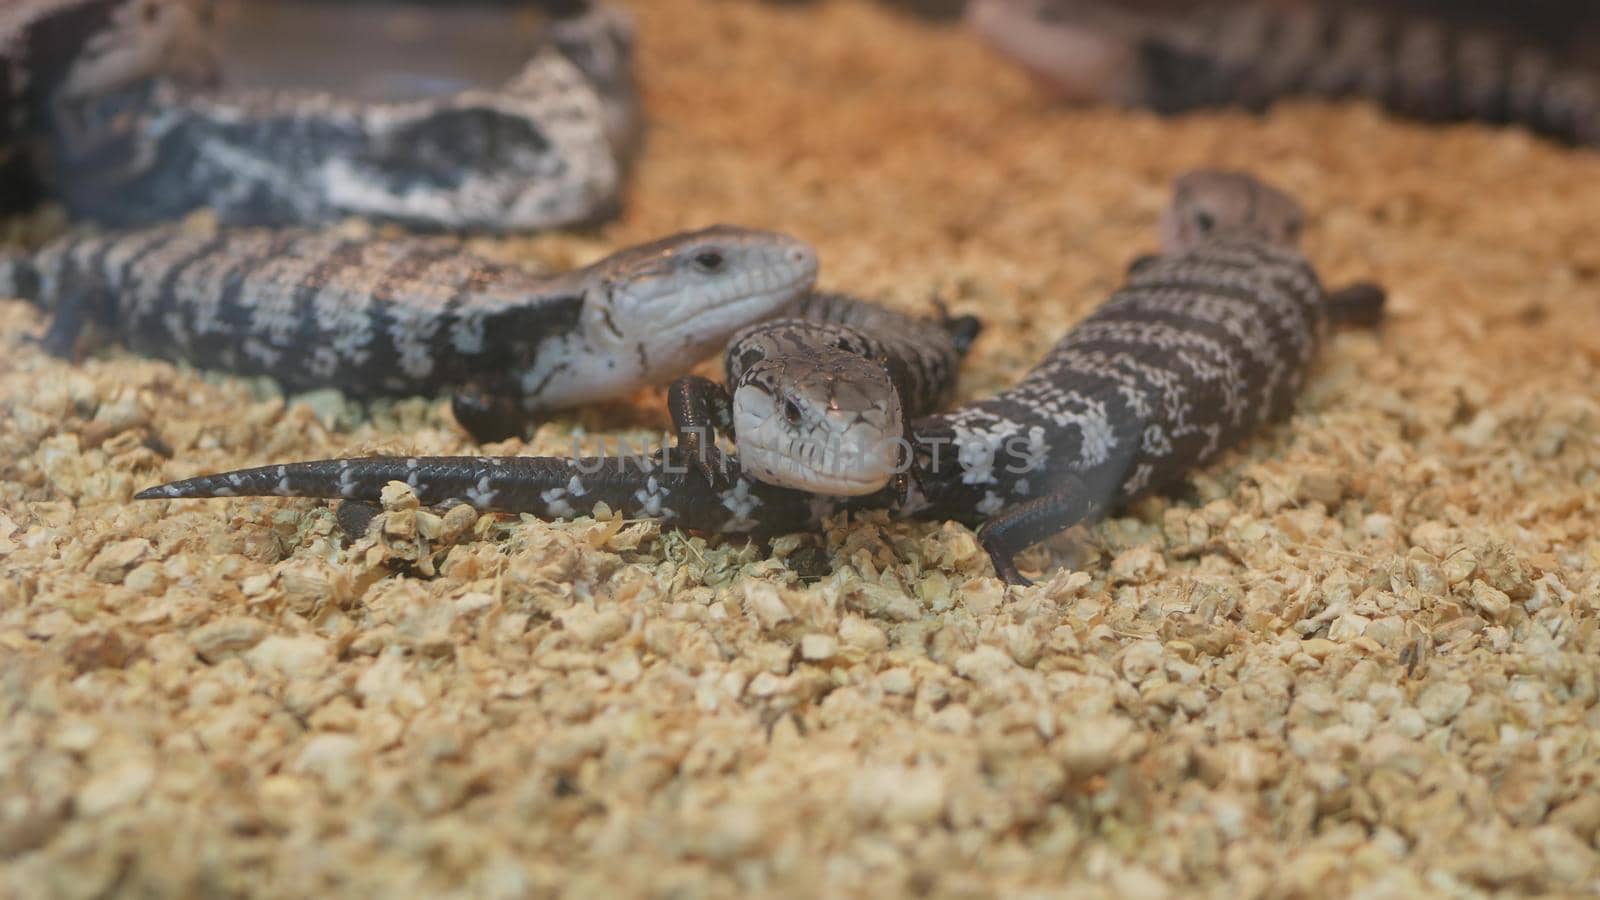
(547, 487)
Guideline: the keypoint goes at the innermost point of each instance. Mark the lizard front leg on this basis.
(1359, 305)
(908, 471)
(79, 306)
(489, 416)
(701, 410)
(355, 517)
(1015, 528)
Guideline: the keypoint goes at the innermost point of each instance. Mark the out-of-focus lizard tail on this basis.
(1084, 50)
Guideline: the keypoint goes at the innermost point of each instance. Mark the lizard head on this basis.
(669, 304)
(174, 38)
(1209, 203)
(828, 422)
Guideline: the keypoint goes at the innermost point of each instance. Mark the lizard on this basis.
(1251, 52)
(414, 315)
(546, 148)
(1197, 350)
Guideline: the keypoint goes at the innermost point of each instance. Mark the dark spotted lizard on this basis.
(1251, 52)
(814, 399)
(1195, 352)
(415, 316)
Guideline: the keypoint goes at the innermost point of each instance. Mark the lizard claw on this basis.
(710, 463)
(713, 467)
(905, 478)
(1006, 567)
(902, 483)
(695, 452)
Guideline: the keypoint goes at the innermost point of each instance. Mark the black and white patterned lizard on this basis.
(415, 316)
(1251, 52)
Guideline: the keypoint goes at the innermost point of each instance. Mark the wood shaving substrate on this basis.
(1357, 655)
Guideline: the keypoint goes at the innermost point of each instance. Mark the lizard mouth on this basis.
(838, 477)
(732, 312)
(767, 289)
(860, 460)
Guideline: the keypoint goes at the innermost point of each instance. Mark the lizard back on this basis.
(310, 309)
(1194, 353)
(1413, 65)
(922, 355)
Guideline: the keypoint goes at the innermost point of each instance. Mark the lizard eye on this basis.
(791, 412)
(708, 260)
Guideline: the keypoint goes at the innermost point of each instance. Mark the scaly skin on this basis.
(402, 317)
(1200, 348)
(1252, 52)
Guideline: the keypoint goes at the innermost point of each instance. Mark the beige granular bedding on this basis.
(1360, 654)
